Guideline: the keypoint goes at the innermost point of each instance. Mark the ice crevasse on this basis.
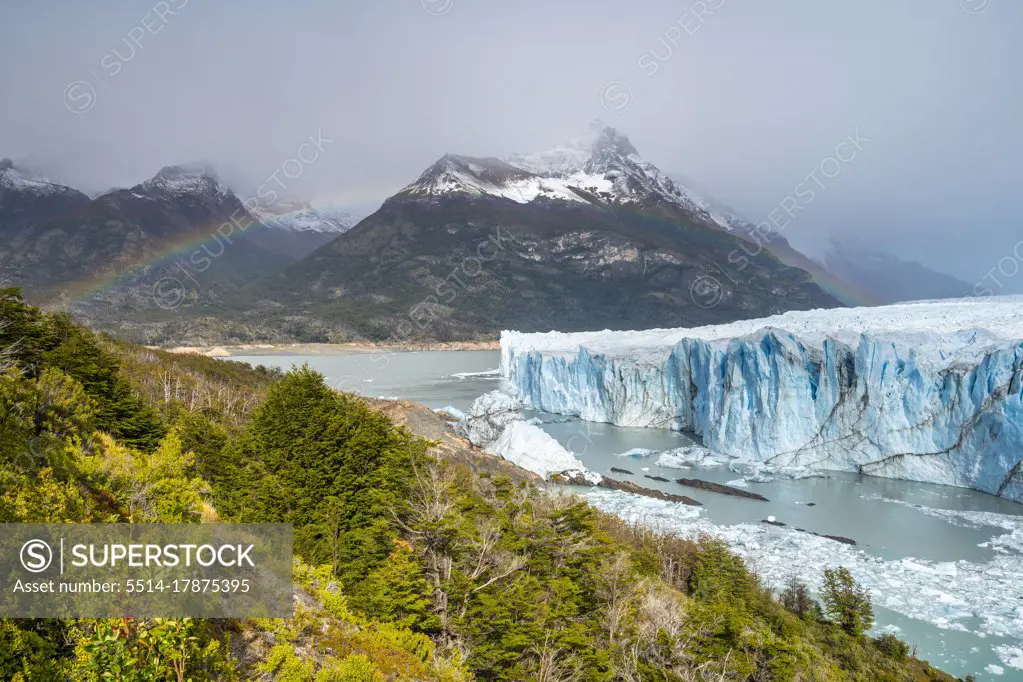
(927, 391)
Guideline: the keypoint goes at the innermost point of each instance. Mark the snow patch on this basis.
(23, 181)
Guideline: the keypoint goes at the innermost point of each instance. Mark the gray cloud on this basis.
(745, 98)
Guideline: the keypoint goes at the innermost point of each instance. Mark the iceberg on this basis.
(636, 453)
(687, 455)
(929, 391)
(495, 423)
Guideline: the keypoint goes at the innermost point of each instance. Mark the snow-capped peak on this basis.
(574, 155)
(14, 178)
(600, 167)
(301, 216)
(186, 180)
(489, 177)
(605, 164)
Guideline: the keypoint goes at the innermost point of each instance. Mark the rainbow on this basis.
(849, 294)
(208, 240)
(213, 244)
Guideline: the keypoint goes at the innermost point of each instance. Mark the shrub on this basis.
(354, 668)
(892, 646)
(796, 598)
(847, 602)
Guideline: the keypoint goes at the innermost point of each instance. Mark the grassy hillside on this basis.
(413, 567)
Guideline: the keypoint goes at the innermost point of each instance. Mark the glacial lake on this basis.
(890, 520)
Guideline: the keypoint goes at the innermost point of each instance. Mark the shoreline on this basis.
(256, 349)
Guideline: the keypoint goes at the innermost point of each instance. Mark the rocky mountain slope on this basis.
(584, 236)
(130, 238)
(181, 239)
(26, 199)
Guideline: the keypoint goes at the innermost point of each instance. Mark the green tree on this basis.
(847, 602)
(325, 462)
(119, 411)
(397, 592)
(24, 334)
(796, 598)
(892, 646)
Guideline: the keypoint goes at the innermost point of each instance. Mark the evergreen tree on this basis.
(398, 593)
(119, 411)
(326, 463)
(847, 602)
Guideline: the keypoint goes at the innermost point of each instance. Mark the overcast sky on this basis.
(745, 98)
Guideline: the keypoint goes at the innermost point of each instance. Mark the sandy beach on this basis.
(227, 351)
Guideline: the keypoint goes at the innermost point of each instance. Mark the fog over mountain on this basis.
(746, 99)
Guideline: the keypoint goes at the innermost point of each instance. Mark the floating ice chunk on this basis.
(762, 472)
(488, 416)
(738, 483)
(485, 373)
(947, 569)
(533, 449)
(994, 669)
(1011, 656)
(636, 453)
(453, 411)
(495, 423)
(684, 457)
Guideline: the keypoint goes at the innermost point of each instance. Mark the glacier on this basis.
(929, 391)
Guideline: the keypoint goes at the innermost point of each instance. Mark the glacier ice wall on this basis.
(863, 403)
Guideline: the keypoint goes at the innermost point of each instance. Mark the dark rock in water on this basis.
(718, 488)
(571, 480)
(628, 487)
(616, 470)
(662, 479)
(625, 486)
(836, 538)
(811, 504)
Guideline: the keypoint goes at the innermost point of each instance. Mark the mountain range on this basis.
(587, 235)
(103, 255)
